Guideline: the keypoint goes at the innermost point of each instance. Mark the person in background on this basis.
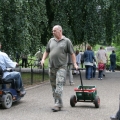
(88, 62)
(101, 67)
(57, 48)
(102, 55)
(6, 62)
(69, 69)
(38, 56)
(17, 57)
(78, 61)
(24, 59)
(112, 61)
(82, 58)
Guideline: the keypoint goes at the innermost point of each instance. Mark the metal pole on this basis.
(31, 75)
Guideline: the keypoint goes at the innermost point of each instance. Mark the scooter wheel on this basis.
(97, 101)
(7, 103)
(73, 101)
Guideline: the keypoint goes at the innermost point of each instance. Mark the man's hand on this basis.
(17, 64)
(42, 62)
(75, 66)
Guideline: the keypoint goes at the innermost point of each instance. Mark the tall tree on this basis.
(22, 25)
(26, 24)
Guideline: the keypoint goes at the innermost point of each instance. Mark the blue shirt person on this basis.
(6, 62)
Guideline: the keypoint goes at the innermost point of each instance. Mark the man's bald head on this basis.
(57, 32)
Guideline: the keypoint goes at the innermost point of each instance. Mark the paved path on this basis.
(37, 103)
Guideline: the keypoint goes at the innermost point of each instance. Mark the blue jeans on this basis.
(100, 74)
(88, 74)
(18, 81)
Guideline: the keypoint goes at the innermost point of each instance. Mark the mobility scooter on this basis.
(8, 95)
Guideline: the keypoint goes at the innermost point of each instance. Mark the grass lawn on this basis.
(35, 78)
(33, 62)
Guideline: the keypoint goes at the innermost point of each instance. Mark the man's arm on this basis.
(45, 55)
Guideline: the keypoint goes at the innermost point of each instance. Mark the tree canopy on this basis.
(25, 25)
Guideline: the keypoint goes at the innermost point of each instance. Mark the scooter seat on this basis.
(3, 81)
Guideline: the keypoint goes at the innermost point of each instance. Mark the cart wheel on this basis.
(7, 103)
(73, 101)
(97, 101)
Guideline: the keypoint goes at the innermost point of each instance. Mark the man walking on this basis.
(102, 55)
(112, 61)
(57, 48)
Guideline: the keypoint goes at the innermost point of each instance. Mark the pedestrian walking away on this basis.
(102, 55)
(112, 61)
(24, 59)
(88, 62)
(101, 67)
(57, 48)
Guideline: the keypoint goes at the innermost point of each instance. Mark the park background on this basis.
(26, 25)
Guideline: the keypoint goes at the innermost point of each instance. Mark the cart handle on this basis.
(78, 69)
(80, 75)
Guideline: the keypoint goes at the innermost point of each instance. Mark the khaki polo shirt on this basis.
(58, 52)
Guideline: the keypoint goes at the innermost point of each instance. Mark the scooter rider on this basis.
(6, 62)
